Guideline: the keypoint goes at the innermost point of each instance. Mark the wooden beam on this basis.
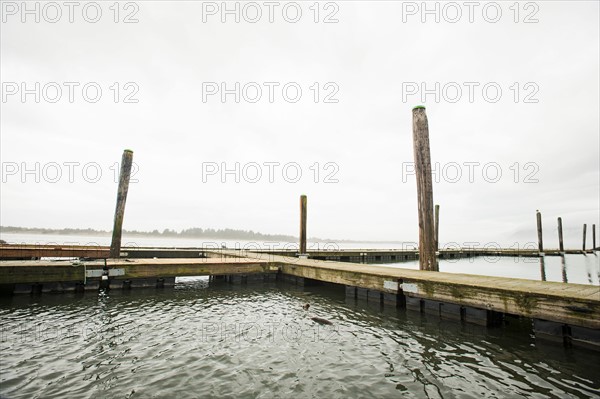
(437, 227)
(23, 272)
(560, 236)
(303, 209)
(126, 161)
(539, 232)
(427, 242)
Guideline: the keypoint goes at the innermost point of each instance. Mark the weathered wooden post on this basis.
(427, 241)
(303, 224)
(584, 229)
(560, 236)
(539, 231)
(437, 227)
(126, 161)
(593, 237)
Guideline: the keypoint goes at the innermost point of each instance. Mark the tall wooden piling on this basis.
(427, 240)
(593, 237)
(584, 231)
(126, 161)
(303, 206)
(539, 232)
(560, 236)
(437, 227)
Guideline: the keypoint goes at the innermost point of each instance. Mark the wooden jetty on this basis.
(63, 275)
(570, 303)
(35, 251)
(28, 252)
(568, 312)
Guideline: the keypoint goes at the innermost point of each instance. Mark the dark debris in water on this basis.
(401, 387)
(321, 320)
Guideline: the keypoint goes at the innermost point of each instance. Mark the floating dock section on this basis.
(566, 312)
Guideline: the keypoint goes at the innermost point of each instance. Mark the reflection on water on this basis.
(564, 269)
(543, 268)
(578, 269)
(257, 341)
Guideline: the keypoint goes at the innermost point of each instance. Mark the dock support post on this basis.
(437, 227)
(303, 204)
(560, 236)
(126, 161)
(539, 232)
(593, 237)
(584, 231)
(427, 242)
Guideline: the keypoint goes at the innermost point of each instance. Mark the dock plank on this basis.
(573, 304)
(23, 272)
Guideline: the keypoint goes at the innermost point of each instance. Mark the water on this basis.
(258, 342)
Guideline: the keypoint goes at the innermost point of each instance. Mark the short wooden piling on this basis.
(303, 207)
(539, 231)
(437, 227)
(427, 241)
(126, 161)
(560, 236)
(584, 231)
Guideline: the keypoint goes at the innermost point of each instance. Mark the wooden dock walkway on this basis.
(575, 304)
(23, 252)
(27, 272)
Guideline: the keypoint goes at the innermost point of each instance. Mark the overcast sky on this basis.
(541, 132)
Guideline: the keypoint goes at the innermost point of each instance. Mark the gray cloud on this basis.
(369, 55)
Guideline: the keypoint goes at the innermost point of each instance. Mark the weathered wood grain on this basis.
(303, 215)
(427, 242)
(126, 162)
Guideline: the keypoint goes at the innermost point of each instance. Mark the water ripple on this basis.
(257, 341)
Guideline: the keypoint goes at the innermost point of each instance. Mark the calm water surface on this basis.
(256, 341)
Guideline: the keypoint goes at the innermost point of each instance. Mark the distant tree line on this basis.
(185, 233)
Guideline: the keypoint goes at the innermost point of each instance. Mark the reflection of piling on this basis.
(584, 231)
(560, 236)
(126, 161)
(539, 232)
(303, 224)
(427, 241)
(543, 268)
(564, 269)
